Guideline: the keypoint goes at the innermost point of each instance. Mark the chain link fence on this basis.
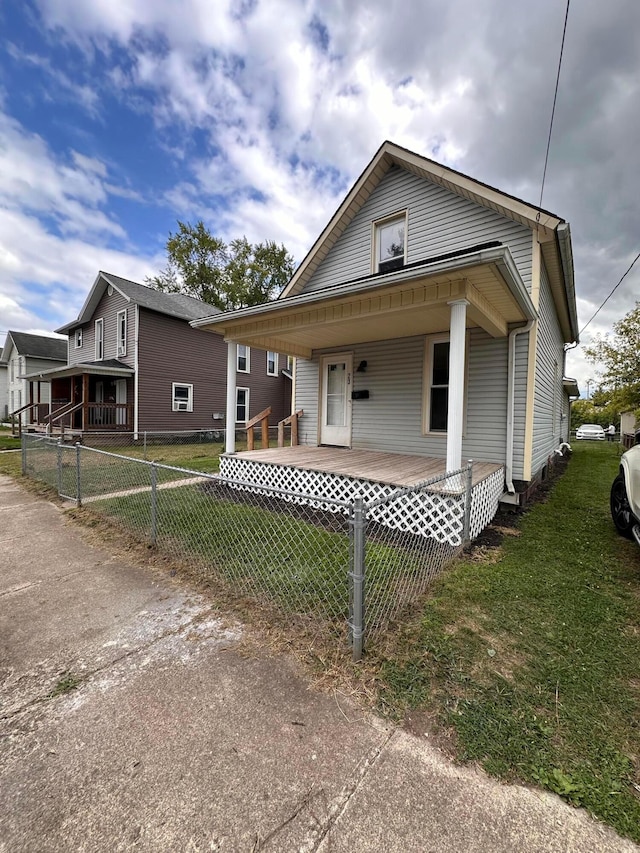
(350, 568)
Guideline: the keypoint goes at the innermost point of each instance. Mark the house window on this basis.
(13, 369)
(243, 359)
(242, 405)
(78, 338)
(390, 244)
(182, 397)
(99, 326)
(121, 326)
(437, 385)
(272, 363)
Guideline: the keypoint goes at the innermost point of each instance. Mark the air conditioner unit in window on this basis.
(122, 350)
(182, 405)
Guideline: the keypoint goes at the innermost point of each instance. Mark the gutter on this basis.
(563, 232)
(511, 402)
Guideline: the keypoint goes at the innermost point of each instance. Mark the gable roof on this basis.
(552, 230)
(35, 346)
(172, 304)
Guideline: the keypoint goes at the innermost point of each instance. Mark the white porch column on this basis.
(457, 343)
(230, 422)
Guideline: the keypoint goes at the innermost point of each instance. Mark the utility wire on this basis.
(632, 264)
(553, 110)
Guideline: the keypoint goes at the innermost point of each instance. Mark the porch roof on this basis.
(406, 302)
(109, 367)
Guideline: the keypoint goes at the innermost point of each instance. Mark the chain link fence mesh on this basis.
(292, 551)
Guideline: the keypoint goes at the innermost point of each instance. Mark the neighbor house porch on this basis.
(413, 493)
(84, 397)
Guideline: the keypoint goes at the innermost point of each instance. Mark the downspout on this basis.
(135, 375)
(511, 402)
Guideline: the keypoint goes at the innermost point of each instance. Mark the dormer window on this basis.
(390, 243)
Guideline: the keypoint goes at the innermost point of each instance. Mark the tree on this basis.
(229, 276)
(618, 358)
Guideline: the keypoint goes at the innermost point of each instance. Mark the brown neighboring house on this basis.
(135, 364)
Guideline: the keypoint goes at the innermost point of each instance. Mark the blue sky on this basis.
(117, 117)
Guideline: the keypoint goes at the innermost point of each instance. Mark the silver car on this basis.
(591, 431)
(625, 495)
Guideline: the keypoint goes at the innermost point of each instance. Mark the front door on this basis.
(335, 399)
(121, 399)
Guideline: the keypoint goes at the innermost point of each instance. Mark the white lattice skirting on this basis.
(426, 512)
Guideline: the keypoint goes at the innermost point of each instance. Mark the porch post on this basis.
(230, 423)
(85, 401)
(457, 343)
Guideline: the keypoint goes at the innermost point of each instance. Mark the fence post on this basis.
(357, 578)
(78, 477)
(144, 445)
(24, 455)
(154, 503)
(466, 532)
(59, 465)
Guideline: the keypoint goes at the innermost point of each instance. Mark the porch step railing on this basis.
(12, 417)
(292, 421)
(263, 419)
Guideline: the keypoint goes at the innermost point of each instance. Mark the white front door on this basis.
(121, 397)
(335, 399)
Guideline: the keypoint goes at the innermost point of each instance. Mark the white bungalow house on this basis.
(428, 323)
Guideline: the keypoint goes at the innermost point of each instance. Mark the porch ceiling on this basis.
(402, 304)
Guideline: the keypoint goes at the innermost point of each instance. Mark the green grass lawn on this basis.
(531, 659)
(7, 441)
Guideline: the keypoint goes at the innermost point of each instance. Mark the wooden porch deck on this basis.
(394, 469)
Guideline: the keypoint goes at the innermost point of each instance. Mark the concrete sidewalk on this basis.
(175, 739)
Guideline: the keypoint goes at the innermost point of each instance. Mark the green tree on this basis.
(228, 276)
(618, 358)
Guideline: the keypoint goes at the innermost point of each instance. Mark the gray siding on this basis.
(438, 222)
(547, 424)
(391, 419)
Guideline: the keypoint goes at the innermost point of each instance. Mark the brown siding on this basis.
(108, 308)
(172, 351)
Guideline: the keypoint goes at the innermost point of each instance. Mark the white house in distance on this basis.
(4, 409)
(429, 323)
(26, 353)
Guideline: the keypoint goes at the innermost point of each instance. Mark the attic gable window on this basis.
(390, 243)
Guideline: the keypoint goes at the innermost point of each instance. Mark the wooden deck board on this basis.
(396, 469)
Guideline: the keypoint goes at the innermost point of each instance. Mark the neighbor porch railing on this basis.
(263, 419)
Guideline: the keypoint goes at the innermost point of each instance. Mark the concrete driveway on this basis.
(174, 738)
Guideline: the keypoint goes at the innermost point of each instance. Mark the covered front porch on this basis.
(84, 397)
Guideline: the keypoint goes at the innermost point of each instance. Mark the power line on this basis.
(628, 270)
(553, 109)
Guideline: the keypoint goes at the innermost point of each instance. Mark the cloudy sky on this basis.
(117, 117)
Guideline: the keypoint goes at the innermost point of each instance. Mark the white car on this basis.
(591, 431)
(625, 495)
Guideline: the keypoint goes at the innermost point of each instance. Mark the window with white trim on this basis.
(121, 327)
(181, 397)
(243, 359)
(272, 363)
(436, 390)
(99, 328)
(390, 243)
(242, 405)
(78, 338)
